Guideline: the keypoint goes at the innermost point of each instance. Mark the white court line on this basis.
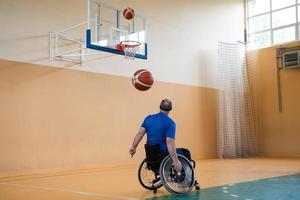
(71, 191)
(274, 179)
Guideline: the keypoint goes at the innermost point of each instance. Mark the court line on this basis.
(71, 191)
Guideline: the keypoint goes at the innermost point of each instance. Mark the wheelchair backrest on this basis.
(185, 152)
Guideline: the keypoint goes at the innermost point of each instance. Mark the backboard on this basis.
(107, 28)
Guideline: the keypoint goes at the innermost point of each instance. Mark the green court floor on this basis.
(278, 188)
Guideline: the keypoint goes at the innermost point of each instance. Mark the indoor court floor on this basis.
(247, 179)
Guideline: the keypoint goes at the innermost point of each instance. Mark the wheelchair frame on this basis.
(156, 168)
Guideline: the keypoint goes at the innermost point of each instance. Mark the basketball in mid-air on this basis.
(128, 13)
(142, 80)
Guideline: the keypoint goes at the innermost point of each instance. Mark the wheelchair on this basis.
(156, 170)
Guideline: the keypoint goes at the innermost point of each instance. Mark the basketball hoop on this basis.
(130, 48)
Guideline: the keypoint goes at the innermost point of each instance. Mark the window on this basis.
(272, 22)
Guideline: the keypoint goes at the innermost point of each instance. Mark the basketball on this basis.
(142, 80)
(128, 13)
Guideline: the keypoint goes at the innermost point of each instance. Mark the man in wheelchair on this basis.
(168, 166)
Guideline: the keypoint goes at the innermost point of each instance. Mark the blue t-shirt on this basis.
(158, 127)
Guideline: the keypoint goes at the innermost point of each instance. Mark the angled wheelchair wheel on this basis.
(177, 183)
(147, 178)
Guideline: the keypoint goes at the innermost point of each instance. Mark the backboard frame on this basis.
(90, 44)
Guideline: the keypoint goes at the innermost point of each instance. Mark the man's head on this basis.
(165, 106)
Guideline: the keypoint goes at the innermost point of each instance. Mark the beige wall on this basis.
(279, 131)
(54, 119)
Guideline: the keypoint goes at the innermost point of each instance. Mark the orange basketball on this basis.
(142, 80)
(128, 13)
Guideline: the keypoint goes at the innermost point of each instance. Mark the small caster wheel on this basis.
(197, 187)
(155, 191)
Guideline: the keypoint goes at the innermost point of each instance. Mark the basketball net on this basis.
(130, 48)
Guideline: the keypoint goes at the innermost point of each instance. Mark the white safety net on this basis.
(237, 135)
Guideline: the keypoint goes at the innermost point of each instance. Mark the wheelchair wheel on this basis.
(147, 178)
(177, 182)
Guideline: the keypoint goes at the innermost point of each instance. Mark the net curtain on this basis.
(235, 132)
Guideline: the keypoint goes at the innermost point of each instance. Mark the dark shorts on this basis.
(153, 152)
(181, 151)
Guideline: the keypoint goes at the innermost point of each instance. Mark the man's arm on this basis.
(137, 139)
(172, 151)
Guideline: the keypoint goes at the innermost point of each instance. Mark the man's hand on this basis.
(132, 151)
(177, 165)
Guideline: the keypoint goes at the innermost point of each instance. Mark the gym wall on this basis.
(58, 116)
(279, 131)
